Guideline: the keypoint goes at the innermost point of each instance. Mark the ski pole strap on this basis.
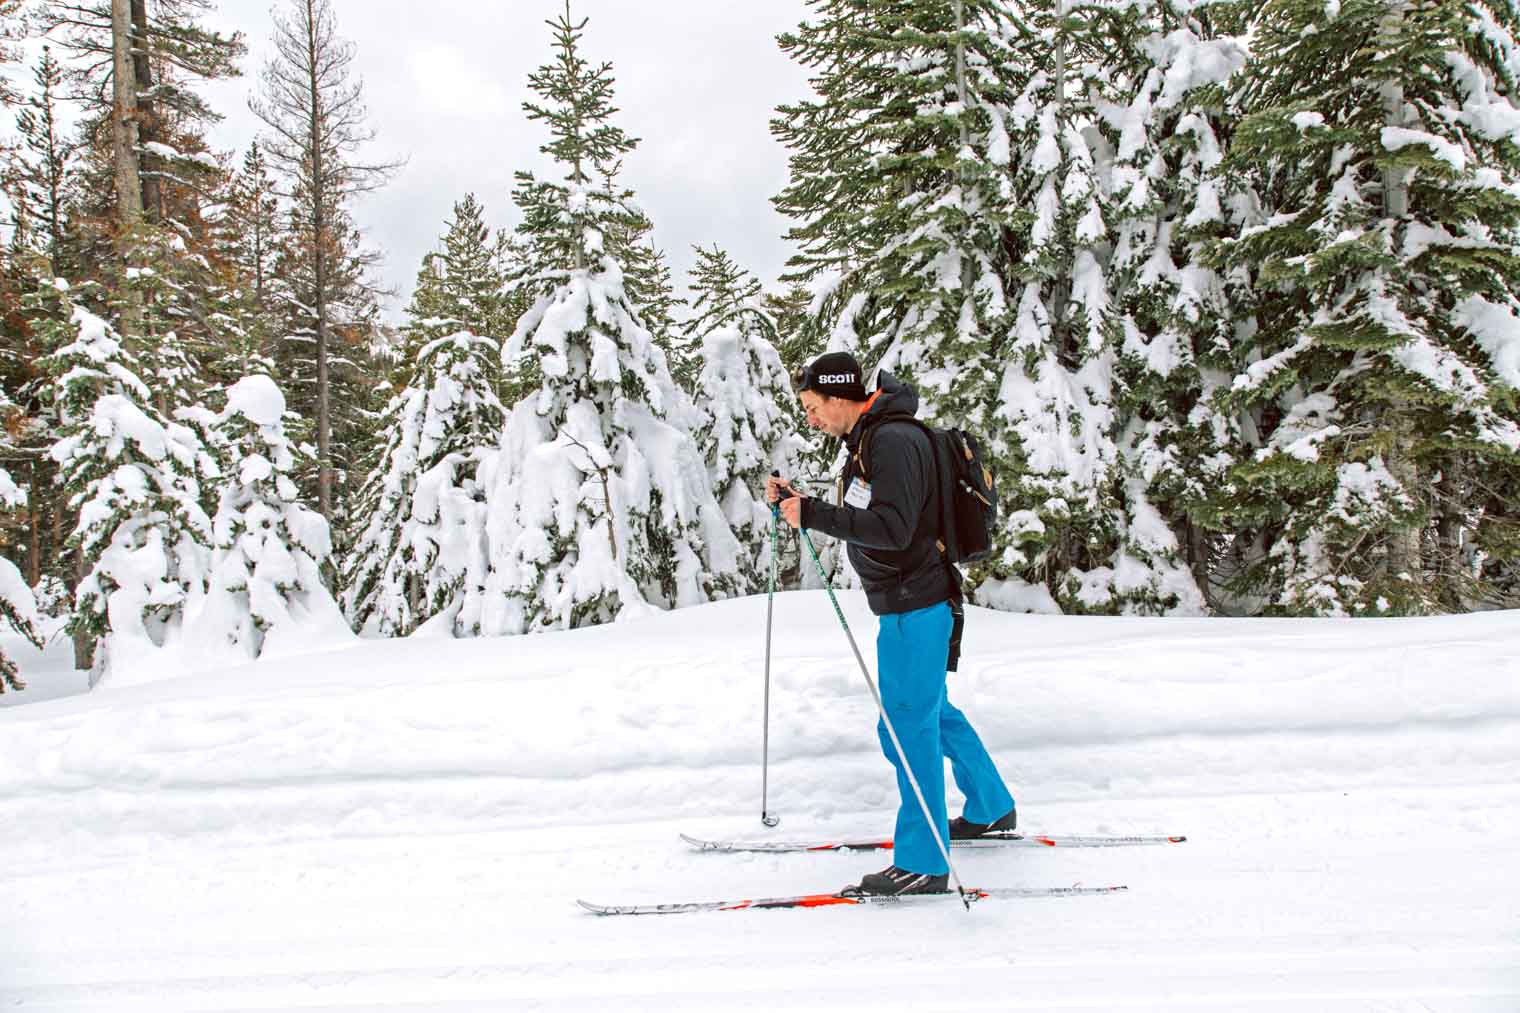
(958, 612)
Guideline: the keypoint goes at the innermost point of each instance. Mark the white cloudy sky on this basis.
(697, 82)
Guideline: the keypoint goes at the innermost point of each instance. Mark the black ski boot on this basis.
(895, 882)
(962, 829)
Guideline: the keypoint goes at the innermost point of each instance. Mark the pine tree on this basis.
(421, 516)
(41, 172)
(135, 71)
(1056, 413)
(242, 294)
(142, 538)
(796, 328)
(41, 181)
(18, 607)
(326, 358)
(1382, 382)
(952, 231)
(1171, 123)
(899, 175)
(469, 270)
(600, 506)
(315, 113)
(460, 287)
(427, 317)
(748, 422)
(265, 591)
(1155, 75)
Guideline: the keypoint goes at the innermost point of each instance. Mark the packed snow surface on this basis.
(406, 824)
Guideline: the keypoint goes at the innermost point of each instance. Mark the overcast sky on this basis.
(697, 82)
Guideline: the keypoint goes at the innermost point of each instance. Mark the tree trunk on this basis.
(968, 270)
(129, 208)
(1404, 551)
(1406, 562)
(1395, 181)
(84, 644)
(34, 533)
(319, 227)
(147, 119)
(1450, 526)
(1200, 560)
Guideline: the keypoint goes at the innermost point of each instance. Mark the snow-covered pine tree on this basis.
(421, 542)
(899, 183)
(628, 238)
(748, 419)
(899, 178)
(513, 266)
(599, 505)
(266, 594)
(1093, 116)
(1382, 136)
(170, 294)
(142, 537)
(18, 607)
(547, 241)
(1058, 430)
(1163, 67)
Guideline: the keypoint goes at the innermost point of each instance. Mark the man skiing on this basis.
(891, 528)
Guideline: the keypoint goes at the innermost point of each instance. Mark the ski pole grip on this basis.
(775, 507)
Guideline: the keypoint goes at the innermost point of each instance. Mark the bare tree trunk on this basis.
(147, 120)
(129, 208)
(319, 227)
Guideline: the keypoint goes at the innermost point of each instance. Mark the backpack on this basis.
(968, 494)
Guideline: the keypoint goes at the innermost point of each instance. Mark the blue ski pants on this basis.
(911, 651)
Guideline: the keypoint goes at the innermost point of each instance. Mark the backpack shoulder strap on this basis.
(862, 450)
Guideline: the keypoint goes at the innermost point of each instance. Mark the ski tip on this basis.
(595, 909)
(1176, 840)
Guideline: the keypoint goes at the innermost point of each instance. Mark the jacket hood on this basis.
(896, 396)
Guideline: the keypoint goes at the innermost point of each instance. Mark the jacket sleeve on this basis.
(899, 468)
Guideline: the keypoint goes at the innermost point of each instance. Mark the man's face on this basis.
(830, 414)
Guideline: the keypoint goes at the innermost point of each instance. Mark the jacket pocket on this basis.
(877, 571)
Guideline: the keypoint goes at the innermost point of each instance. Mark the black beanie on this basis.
(835, 374)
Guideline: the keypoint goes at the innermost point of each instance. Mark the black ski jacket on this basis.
(893, 537)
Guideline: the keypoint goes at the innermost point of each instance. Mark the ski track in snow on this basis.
(406, 825)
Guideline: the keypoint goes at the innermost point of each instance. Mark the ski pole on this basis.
(770, 604)
(902, 756)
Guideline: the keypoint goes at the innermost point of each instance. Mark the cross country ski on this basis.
(1012, 840)
(845, 899)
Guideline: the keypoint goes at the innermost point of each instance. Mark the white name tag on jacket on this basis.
(859, 495)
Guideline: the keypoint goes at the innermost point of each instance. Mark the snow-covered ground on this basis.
(405, 825)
